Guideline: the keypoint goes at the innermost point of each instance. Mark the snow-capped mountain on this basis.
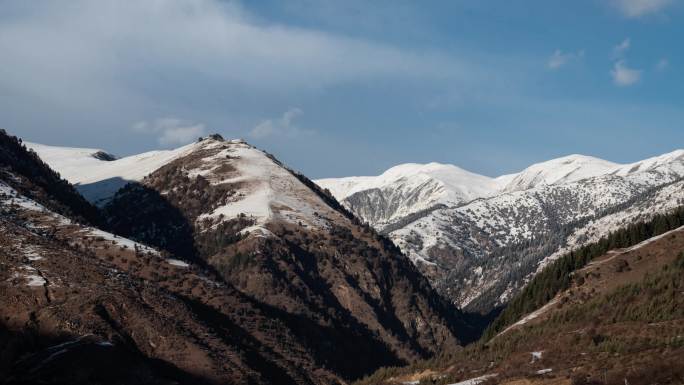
(409, 188)
(262, 189)
(481, 251)
(561, 170)
(103, 301)
(278, 238)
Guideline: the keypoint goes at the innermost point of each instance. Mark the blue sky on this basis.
(337, 88)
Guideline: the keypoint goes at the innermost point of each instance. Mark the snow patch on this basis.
(31, 275)
(257, 231)
(567, 169)
(119, 241)
(477, 380)
(32, 254)
(177, 262)
(535, 314)
(35, 280)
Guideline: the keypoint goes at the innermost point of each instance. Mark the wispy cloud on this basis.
(624, 76)
(559, 58)
(639, 8)
(284, 125)
(170, 131)
(622, 48)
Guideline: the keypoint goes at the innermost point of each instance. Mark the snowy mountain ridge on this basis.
(461, 186)
(98, 179)
(566, 169)
(410, 188)
(264, 189)
(479, 252)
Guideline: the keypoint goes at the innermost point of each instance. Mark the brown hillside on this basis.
(356, 300)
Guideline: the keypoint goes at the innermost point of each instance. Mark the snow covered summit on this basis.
(260, 187)
(479, 237)
(566, 169)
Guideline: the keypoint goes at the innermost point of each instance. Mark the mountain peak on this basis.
(570, 168)
(216, 137)
(406, 169)
(673, 160)
(261, 188)
(448, 175)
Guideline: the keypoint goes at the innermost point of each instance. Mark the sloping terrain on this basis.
(49, 189)
(479, 253)
(619, 320)
(232, 209)
(79, 305)
(270, 233)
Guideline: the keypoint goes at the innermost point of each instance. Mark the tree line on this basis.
(557, 276)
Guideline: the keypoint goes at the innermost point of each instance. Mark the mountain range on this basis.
(216, 263)
(479, 239)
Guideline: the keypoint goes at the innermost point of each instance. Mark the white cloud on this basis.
(113, 41)
(170, 131)
(559, 58)
(620, 49)
(114, 61)
(639, 8)
(662, 64)
(623, 75)
(282, 126)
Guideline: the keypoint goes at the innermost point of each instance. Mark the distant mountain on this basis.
(567, 169)
(346, 292)
(481, 249)
(407, 189)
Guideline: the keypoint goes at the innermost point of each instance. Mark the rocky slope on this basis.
(232, 209)
(480, 250)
